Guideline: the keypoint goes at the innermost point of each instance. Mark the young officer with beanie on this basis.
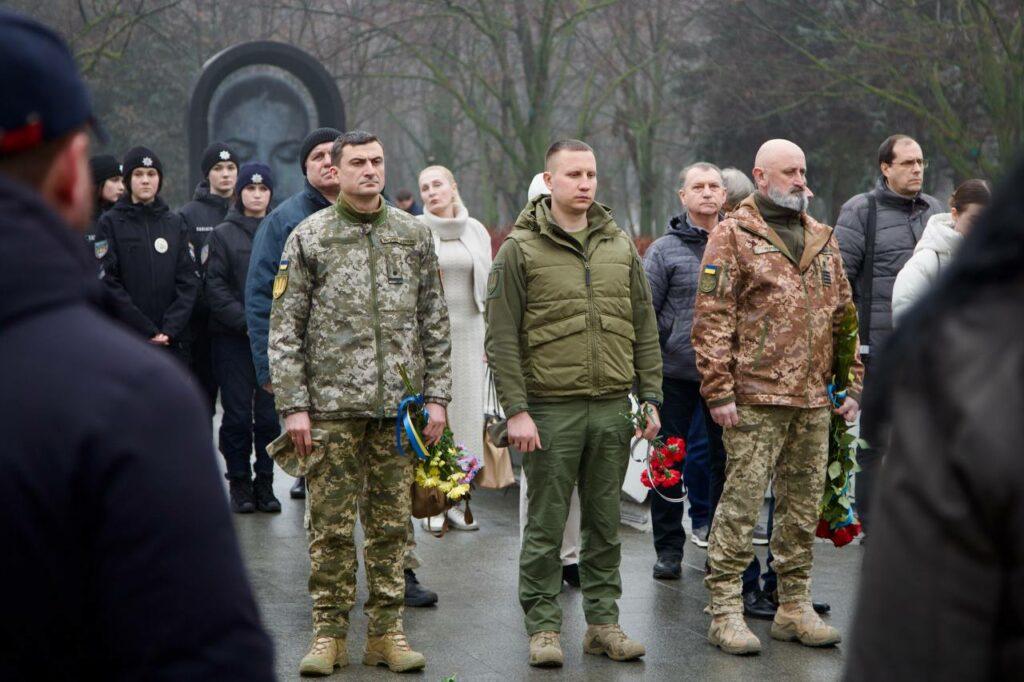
(109, 186)
(145, 260)
(248, 410)
(209, 205)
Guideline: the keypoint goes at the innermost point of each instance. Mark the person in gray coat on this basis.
(877, 233)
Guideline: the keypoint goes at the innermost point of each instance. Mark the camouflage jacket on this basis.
(764, 324)
(355, 295)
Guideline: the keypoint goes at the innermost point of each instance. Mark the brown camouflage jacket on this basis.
(764, 325)
(355, 295)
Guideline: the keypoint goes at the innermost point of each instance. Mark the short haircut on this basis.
(403, 195)
(566, 146)
(737, 186)
(887, 151)
(700, 165)
(32, 166)
(353, 138)
(969, 192)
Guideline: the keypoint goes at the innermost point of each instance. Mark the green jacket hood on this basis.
(536, 215)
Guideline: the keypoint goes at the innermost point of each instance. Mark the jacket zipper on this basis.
(367, 231)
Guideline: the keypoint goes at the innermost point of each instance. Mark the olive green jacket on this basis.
(565, 321)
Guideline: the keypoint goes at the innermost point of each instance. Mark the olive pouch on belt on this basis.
(282, 450)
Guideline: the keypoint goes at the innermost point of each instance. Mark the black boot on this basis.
(241, 496)
(416, 594)
(757, 604)
(668, 567)
(263, 491)
(298, 491)
(571, 575)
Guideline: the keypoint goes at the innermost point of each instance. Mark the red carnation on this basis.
(671, 478)
(823, 530)
(645, 479)
(842, 536)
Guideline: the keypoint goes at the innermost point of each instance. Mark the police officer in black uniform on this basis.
(145, 258)
(209, 205)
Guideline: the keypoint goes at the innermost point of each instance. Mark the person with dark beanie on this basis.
(210, 202)
(147, 264)
(109, 186)
(321, 190)
(249, 414)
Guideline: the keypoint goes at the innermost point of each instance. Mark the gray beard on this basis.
(794, 202)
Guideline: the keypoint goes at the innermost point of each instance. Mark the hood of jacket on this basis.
(243, 222)
(157, 208)
(887, 196)
(940, 235)
(43, 263)
(205, 196)
(536, 217)
(680, 227)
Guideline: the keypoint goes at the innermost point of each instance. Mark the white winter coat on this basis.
(932, 254)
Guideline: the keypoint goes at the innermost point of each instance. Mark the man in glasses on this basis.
(877, 232)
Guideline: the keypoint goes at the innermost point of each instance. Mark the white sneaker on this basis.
(457, 520)
(434, 524)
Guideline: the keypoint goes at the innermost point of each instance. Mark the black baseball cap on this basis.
(44, 95)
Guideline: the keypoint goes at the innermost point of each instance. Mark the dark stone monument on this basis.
(262, 98)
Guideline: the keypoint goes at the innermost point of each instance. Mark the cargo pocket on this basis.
(558, 354)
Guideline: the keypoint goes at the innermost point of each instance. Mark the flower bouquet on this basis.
(838, 522)
(661, 458)
(445, 466)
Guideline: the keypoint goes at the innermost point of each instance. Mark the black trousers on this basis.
(249, 414)
(201, 361)
(682, 400)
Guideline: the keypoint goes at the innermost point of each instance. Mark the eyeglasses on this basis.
(910, 163)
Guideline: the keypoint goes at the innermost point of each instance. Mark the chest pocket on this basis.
(398, 280)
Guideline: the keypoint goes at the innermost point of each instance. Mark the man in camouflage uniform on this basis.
(358, 292)
(769, 298)
(570, 329)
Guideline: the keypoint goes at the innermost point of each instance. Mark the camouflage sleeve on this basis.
(289, 314)
(646, 348)
(506, 301)
(714, 317)
(845, 296)
(435, 331)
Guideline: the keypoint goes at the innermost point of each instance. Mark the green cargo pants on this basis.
(792, 443)
(360, 473)
(585, 442)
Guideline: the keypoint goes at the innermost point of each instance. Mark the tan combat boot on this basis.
(392, 649)
(799, 622)
(546, 650)
(611, 641)
(729, 632)
(325, 654)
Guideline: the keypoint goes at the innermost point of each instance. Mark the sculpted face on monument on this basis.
(264, 119)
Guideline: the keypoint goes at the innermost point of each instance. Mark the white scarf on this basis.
(476, 239)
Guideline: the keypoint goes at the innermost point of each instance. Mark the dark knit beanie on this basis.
(253, 173)
(214, 154)
(140, 157)
(318, 136)
(104, 167)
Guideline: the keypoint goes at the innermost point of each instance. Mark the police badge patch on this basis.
(709, 279)
(100, 248)
(281, 279)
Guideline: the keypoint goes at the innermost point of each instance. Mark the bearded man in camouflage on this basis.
(357, 293)
(770, 295)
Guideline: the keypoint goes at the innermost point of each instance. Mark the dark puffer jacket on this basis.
(899, 225)
(672, 264)
(146, 262)
(230, 246)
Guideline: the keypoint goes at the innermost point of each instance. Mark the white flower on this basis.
(146, 161)
(257, 179)
(225, 155)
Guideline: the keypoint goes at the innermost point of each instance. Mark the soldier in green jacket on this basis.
(570, 331)
(357, 293)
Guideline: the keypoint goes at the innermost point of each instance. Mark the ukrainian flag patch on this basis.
(709, 278)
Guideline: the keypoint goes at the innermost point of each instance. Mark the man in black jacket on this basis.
(209, 205)
(145, 258)
(249, 413)
(109, 575)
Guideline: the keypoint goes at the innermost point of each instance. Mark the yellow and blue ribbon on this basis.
(405, 423)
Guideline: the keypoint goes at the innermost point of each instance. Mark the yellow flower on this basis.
(444, 486)
(458, 491)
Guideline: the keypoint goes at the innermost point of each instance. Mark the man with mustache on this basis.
(770, 293)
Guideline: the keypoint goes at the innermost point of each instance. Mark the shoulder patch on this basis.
(100, 248)
(495, 280)
(709, 278)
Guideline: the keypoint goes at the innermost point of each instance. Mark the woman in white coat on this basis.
(463, 248)
(939, 243)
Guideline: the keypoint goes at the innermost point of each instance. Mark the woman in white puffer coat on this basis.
(939, 243)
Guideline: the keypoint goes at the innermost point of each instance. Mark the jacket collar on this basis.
(205, 196)
(886, 196)
(816, 235)
(314, 196)
(536, 217)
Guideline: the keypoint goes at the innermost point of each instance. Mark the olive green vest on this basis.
(577, 333)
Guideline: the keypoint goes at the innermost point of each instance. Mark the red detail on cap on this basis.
(21, 139)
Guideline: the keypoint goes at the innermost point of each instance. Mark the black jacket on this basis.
(148, 267)
(201, 215)
(230, 246)
(119, 557)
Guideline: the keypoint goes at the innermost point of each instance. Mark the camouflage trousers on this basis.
(792, 443)
(362, 474)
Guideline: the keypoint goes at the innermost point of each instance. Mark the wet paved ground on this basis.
(476, 633)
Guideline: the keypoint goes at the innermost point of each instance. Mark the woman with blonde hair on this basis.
(463, 248)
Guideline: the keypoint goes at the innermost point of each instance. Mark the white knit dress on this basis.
(463, 260)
